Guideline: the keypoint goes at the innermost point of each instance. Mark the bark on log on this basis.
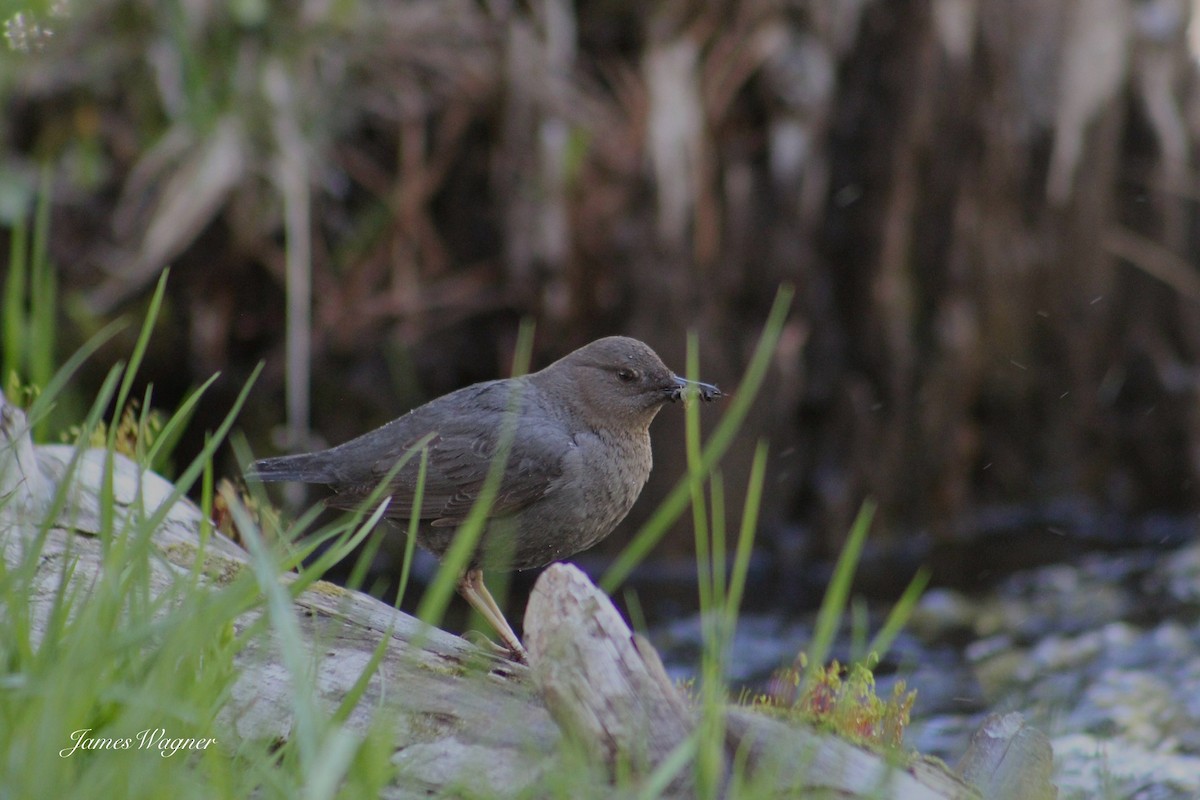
(461, 718)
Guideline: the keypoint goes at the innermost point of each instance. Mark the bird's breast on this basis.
(615, 468)
(602, 478)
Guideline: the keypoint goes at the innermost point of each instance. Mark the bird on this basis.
(575, 442)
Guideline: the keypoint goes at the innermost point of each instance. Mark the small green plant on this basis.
(842, 700)
(838, 698)
(134, 432)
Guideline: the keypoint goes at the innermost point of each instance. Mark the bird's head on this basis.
(622, 380)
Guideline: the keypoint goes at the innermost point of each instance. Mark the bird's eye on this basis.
(626, 375)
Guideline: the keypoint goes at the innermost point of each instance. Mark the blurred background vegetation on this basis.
(987, 208)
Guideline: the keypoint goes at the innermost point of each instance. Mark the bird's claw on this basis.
(483, 642)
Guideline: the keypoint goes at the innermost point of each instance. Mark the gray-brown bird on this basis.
(577, 459)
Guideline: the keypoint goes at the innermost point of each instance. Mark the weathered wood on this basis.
(607, 687)
(602, 685)
(461, 718)
(22, 484)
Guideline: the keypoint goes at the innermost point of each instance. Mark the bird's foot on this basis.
(481, 640)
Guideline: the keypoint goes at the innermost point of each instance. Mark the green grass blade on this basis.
(364, 558)
(378, 500)
(833, 606)
(14, 307)
(414, 522)
(656, 782)
(139, 352)
(44, 402)
(189, 476)
(207, 485)
(283, 620)
(900, 614)
(717, 552)
(143, 425)
(173, 428)
(340, 550)
(42, 293)
(746, 531)
(693, 449)
(354, 696)
(332, 761)
(95, 413)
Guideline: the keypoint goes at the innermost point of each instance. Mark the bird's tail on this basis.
(305, 468)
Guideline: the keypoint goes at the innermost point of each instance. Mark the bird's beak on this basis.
(682, 387)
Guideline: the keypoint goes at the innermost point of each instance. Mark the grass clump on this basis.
(119, 657)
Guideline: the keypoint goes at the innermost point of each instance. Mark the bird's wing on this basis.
(461, 450)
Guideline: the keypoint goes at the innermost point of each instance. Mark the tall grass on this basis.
(145, 647)
(29, 307)
(117, 657)
(720, 593)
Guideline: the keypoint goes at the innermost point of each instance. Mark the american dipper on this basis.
(577, 459)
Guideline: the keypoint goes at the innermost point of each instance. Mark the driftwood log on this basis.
(461, 717)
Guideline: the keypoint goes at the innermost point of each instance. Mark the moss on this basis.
(328, 589)
(843, 701)
(429, 726)
(219, 569)
(135, 433)
(445, 668)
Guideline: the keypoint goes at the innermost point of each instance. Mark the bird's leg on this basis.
(474, 591)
